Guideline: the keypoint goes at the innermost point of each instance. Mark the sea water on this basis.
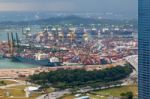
(8, 64)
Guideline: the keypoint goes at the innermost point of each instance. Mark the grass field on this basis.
(103, 94)
(9, 82)
(6, 82)
(16, 92)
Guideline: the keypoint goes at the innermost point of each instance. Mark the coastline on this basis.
(24, 72)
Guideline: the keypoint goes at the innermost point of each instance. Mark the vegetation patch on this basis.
(123, 92)
(70, 78)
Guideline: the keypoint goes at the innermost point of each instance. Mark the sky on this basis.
(116, 6)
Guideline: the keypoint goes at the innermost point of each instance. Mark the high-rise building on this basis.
(144, 50)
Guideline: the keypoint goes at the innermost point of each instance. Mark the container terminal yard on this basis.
(69, 47)
(61, 48)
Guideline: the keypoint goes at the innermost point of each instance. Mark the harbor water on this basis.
(8, 64)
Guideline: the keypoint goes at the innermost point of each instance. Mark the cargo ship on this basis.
(40, 60)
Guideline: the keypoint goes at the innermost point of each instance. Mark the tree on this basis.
(69, 78)
(127, 95)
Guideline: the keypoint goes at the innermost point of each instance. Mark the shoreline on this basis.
(24, 72)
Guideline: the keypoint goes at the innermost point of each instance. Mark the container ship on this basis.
(37, 59)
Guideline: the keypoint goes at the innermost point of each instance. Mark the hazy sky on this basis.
(116, 6)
